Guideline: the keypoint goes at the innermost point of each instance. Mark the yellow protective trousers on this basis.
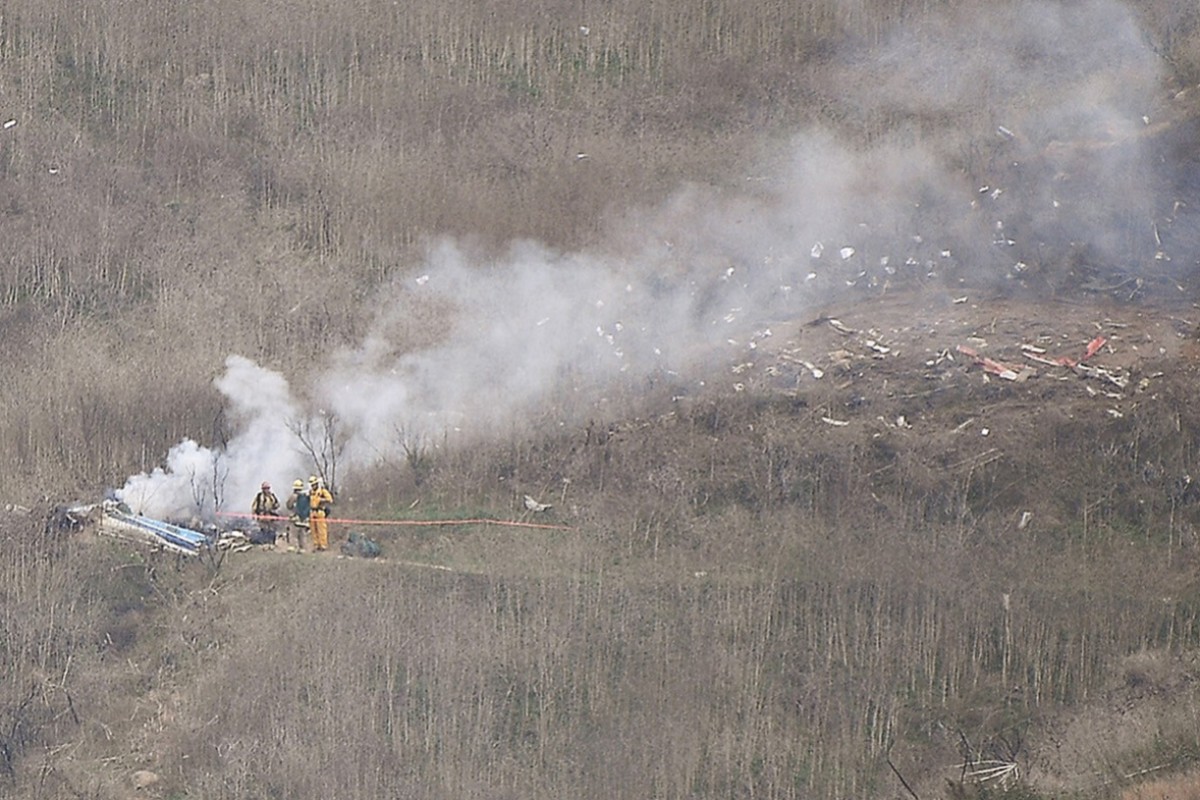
(320, 530)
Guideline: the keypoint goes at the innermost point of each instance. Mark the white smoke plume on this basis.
(538, 336)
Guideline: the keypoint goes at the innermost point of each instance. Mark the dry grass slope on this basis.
(748, 603)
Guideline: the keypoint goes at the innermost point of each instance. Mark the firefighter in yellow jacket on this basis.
(322, 503)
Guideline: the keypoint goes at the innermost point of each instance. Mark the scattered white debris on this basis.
(585, 30)
(9, 124)
(581, 156)
(817, 249)
(984, 431)
(1026, 518)
(542, 321)
(1004, 132)
(837, 423)
(846, 252)
(958, 301)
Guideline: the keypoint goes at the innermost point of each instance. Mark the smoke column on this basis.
(537, 336)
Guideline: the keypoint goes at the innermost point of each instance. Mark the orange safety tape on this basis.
(477, 521)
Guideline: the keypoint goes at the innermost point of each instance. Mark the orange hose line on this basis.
(411, 522)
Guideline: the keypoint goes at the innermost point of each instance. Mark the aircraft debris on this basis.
(1006, 371)
(536, 507)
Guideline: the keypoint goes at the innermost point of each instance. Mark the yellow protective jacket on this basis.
(322, 499)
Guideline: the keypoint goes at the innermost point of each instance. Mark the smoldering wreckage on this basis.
(805, 350)
(192, 539)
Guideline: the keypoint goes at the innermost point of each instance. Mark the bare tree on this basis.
(324, 439)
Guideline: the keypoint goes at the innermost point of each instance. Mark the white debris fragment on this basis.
(421, 281)
(542, 321)
(536, 507)
(984, 431)
(846, 252)
(1026, 518)
(1004, 132)
(10, 124)
(837, 423)
(958, 301)
(996, 193)
(812, 276)
(945, 254)
(817, 249)
(840, 327)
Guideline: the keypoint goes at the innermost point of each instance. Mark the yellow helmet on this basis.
(297, 484)
(313, 479)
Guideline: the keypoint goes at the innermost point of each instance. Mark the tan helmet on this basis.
(297, 484)
(313, 479)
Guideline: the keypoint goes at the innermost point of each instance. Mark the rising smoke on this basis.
(1049, 93)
